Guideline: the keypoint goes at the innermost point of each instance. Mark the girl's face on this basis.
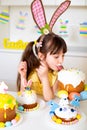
(54, 61)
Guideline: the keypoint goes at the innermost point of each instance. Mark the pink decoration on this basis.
(3, 88)
(14, 121)
(39, 14)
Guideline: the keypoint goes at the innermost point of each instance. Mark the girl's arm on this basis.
(42, 71)
(22, 69)
(55, 87)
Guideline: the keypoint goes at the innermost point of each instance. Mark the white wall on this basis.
(9, 61)
(75, 16)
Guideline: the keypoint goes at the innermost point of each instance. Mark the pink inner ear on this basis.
(38, 13)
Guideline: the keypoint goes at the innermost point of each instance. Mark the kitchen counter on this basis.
(39, 119)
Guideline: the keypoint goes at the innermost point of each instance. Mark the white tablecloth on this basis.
(39, 119)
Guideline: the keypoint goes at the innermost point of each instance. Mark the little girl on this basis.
(40, 62)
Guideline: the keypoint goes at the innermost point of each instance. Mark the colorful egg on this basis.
(2, 125)
(20, 108)
(13, 122)
(8, 123)
(72, 95)
(62, 93)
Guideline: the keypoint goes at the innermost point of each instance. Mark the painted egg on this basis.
(8, 123)
(21, 108)
(72, 95)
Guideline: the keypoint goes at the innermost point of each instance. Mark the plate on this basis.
(21, 118)
(15, 124)
(77, 126)
(40, 107)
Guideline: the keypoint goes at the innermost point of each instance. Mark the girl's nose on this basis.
(60, 60)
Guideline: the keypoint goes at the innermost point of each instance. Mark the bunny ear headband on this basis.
(38, 13)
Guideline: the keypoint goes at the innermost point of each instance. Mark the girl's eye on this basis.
(56, 57)
(59, 56)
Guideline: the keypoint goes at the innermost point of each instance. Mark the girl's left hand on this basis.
(22, 69)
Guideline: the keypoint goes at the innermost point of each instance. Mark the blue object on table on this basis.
(76, 101)
(20, 108)
(52, 105)
(83, 95)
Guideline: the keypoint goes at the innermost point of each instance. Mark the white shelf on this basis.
(14, 2)
(86, 2)
(77, 54)
(2, 50)
(49, 3)
(72, 51)
(45, 2)
(25, 2)
(73, 2)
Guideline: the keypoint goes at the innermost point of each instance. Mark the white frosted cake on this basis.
(64, 115)
(71, 80)
(67, 115)
(27, 100)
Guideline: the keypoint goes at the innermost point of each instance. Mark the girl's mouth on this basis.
(60, 67)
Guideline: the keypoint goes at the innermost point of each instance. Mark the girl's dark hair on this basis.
(50, 43)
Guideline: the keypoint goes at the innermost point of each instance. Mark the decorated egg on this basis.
(72, 95)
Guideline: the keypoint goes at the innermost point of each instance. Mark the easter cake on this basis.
(8, 115)
(66, 113)
(72, 80)
(27, 99)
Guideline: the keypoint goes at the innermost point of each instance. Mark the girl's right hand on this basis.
(42, 71)
(22, 69)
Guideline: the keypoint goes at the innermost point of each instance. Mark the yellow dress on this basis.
(36, 84)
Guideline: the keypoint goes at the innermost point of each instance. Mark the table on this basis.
(37, 120)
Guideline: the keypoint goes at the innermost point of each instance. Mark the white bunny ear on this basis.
(38, 13)
(29, 83)
(61, 9)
